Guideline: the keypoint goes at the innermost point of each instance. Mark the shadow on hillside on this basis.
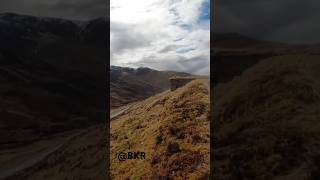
(266, 121)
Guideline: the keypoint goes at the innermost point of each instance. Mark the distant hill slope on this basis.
(52, 75)
(172, 128)
(232, 53)
(234, 40)
(129, 85)
(266, 121)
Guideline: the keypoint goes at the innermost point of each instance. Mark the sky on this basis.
(70, 9)
(290, 21)
(161, 34)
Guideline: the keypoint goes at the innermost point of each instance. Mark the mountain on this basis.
(129, 85)
(172, 128)
(52, 75)
(266, 121)
(21, 30)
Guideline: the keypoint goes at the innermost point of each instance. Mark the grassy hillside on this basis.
(172, 128)
(266, 121)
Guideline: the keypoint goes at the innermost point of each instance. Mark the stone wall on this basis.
(177, 82)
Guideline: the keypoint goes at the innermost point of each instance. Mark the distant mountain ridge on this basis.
(129, 84)
(20, 30)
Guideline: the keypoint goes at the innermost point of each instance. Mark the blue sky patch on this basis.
(205, 11)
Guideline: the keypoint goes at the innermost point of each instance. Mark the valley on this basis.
(128, 85)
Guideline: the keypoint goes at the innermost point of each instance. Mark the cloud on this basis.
(290, 21)
(126, 37)
(169, 48)
(161, 34)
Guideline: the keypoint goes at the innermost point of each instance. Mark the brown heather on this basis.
(172, 128)
(266, 122)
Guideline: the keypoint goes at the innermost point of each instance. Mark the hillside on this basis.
(47, 82)
(233, 53)
(266, 121)
(128, 85)
(172, 128)
(234, 40)
(178, 117)
(80, 156)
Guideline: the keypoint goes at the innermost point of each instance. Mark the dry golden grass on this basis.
(172, 128)
(266, 122)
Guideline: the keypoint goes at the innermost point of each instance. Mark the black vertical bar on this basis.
(107, 143)
(211, 88)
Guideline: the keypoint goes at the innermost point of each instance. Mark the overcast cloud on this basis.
(161, 34)
(70, 9)
(292, 21)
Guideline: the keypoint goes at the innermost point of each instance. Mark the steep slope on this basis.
(47, 82)
(129, 85)
(172, 128)
(266, 122)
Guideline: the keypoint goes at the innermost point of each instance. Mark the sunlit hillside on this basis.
(172, 128)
